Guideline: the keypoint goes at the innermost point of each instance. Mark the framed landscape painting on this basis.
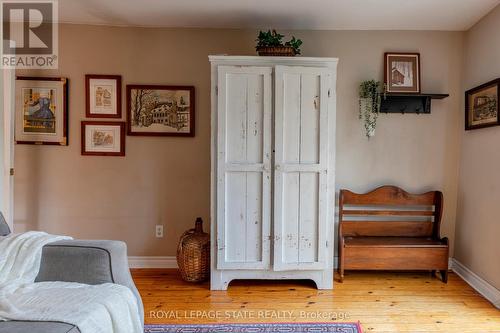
(402, 72)
(103, 138)
(481, 106)
(41, 110)
(154, 110)
(103, 96)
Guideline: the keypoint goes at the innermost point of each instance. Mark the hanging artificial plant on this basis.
(369, 105)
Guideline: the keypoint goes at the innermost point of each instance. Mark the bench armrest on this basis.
(88, 262)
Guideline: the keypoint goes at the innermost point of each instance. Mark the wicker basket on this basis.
(193, 254)
(283, 51)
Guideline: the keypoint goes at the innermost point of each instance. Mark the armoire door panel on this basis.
(244, 167)
(301, 134)
(301, 118)
(244, 216)
(291, 118)
(245, 121)
(309, 118)
(308, 217)
(300, 194)
(291, 198)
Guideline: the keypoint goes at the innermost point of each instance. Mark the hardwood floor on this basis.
(382, 302)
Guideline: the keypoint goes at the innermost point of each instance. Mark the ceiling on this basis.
(280, 14)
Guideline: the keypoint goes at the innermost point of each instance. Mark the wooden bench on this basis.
(391, 229)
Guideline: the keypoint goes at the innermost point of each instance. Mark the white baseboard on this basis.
(171, 262)
(489, 292)
(152, 262)
(168, 262)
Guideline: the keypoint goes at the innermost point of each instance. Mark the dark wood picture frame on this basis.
(121, 124)
(118, 101)
(64, 141)
(475, 90)
(192, 113)
(416, 87)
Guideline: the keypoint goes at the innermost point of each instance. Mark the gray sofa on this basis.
(83, 261)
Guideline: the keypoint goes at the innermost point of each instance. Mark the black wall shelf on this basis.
(408, 103)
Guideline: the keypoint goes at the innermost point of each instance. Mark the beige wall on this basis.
(166, 180)
(478, 219)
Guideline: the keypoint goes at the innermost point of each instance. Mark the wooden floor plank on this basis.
(381, 301)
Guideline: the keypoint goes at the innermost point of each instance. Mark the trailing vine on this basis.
(369, 105)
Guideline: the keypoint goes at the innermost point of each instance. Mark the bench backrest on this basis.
(390, 211)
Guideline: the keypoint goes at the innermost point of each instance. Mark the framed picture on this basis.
(103, 138)
(481, 106)
(160, 110)
(41, 110)
(402, 72)
(103, 96)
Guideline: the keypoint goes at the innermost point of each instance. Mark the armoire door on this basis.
(300, 170)
(244, 99)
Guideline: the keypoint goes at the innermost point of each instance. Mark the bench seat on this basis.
(376, 241)
(391, 229)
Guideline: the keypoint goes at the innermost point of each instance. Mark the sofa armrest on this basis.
(88, 262)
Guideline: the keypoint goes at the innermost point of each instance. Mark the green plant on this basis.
(369, 105)
(295, 44)
(272, 38)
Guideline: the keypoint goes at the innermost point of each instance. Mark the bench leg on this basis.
(444, 276)
(341, 267)
(341, 273)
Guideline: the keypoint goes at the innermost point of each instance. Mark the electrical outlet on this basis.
(159, 231)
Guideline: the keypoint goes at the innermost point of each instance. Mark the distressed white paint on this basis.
(7, 146)
(301, 163)
(301, 177)
(244, 160)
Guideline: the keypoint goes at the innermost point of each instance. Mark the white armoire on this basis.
(273, 176)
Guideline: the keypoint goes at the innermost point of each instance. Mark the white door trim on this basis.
(8, 148)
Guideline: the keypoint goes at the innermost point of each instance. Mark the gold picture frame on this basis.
(41, 111)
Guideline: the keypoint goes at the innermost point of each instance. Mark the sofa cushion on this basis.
(69, 262)
(36, 327)
(4, 228)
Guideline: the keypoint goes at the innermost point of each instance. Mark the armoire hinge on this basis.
(326, 243)
(216, 90)
(328, 92)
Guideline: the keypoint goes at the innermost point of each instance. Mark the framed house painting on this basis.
(41, 110)
(103, 138)
(402, 72)
(481, 106)
(160, 110)
(103, 96)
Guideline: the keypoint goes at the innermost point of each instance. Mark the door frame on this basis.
(8, 93)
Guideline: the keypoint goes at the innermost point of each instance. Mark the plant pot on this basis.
(276, 51)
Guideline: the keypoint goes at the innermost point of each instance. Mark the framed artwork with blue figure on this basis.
(41, 110)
